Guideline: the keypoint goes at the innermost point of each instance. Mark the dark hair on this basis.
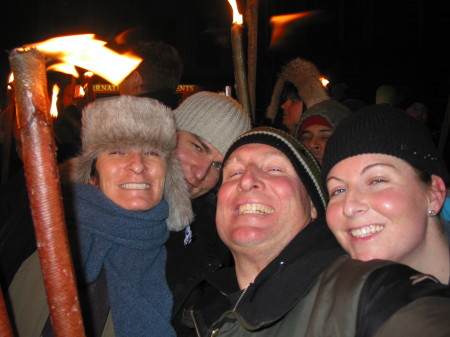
(289, 91)
(161, 67)
(94, 172)
(424, 176)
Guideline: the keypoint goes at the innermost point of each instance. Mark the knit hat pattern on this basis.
(138, 123)
(301, 159)
(332, 111)
(219, 119)
(384, 129)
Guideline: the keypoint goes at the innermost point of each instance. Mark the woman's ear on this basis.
(437, 193)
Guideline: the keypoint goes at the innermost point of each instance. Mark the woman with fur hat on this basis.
(126, 192)
(387, 185)
(303, 78)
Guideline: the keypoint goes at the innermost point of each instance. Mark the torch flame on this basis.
(86, 52)
(324, 81)
(64, 68)
(10, 80)
(237, 17)
(53, 108)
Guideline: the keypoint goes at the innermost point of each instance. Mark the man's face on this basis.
(201, 163)
(315, 138)
(262, 203)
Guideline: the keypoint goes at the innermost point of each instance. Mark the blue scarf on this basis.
(129, 245)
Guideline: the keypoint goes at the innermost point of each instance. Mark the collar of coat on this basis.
(287, 279)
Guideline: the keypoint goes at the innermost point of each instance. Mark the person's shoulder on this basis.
(393, 288)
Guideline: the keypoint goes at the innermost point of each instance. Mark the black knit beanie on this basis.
(301, 159)
(387, 130)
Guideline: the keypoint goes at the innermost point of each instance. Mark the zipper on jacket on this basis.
(240, 297)
(197, 330)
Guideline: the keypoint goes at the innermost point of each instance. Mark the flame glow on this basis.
(237, 17)
(53, 108)
(86, 52)
(283, 25)
(64, 68)
(324, 81)
(10, 80)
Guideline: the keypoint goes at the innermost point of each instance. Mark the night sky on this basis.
(360, 43)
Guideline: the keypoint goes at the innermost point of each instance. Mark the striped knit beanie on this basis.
(301, 159)
(387, 130)
(219, 119)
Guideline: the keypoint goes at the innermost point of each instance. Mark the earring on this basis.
(431, 213)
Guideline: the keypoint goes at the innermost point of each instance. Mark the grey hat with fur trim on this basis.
(217, 118)
(306, 78)
(126, 122)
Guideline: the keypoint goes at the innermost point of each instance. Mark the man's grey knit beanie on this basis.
(217, 118)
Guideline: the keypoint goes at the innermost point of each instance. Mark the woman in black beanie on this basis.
(387, 184)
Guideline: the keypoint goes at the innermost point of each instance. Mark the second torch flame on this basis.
(86, 52)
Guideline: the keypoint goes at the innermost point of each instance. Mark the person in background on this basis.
(122, 195)
(67, 125)
(157, 76)
(292, 107)
(317, 125)
(207, 124)
(387, 185)
(288, 265)
(298, 87)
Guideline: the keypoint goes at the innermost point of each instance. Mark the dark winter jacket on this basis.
(292, 272)
(189, 263)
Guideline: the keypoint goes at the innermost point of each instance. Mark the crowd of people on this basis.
(186, 219)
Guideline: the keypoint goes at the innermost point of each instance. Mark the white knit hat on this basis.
(126, 122)
(219, 119)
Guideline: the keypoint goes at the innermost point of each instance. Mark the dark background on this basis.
(363, 43)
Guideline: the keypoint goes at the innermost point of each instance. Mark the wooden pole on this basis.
(8, 120)
(251, 19)
(240, 75)
(5, 324)
(42, 178)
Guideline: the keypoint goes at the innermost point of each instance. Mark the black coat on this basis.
(188, 265)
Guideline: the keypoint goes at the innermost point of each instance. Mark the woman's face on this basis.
(133, 180)
(378, 207)
(292, 111)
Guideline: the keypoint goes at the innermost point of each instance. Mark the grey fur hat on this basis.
(126, 122)
(306, 78)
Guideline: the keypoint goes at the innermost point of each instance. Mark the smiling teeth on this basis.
(135, 186)
(366, 231)
(255, 209)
